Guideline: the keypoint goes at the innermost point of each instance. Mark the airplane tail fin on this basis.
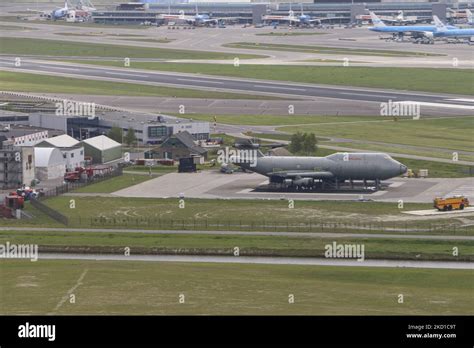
(470, 18)
(439, 25)
(400, 15)
(376, 20)
(65, 5)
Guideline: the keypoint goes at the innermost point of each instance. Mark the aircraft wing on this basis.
(321, 19)
(209, 20)
(37, 11)
(302, 174)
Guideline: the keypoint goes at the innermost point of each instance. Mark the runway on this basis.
(238, 85)
(262, 260)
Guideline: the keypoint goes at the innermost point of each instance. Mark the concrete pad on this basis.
(430, 212)
(215, 185)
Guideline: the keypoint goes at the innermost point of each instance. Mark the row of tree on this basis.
(116, 133)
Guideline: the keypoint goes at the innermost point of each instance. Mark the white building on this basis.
(24, 135)
(49, 163)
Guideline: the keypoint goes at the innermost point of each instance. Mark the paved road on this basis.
(238, 85)
(263, 260)
(244, 233)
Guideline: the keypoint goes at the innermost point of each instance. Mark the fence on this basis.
(64, 188)
(321, 226)
(71, 186)
(50, 212)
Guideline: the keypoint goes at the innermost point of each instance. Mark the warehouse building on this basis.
(102, 149)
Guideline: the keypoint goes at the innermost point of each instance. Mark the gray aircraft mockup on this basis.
(332, 170)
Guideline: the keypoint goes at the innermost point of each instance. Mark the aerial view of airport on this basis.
(236, 157)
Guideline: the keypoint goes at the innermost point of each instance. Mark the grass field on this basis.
(327, 50)
(447, 133)
(438, 169)
(412, 79)
(154, 288)
(225, 209)
(21, 82)
(438, 153)
(115, 184)
(375, 248)
(281, 120)
(24, 46)
(247, 215)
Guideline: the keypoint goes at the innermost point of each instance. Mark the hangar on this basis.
(71, 149)
(49, 163)
(102, 149)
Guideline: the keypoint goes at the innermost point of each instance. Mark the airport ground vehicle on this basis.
(450, 203)
(78, 174)
(12, 202)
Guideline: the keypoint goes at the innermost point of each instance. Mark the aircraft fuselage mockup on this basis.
(335, 168)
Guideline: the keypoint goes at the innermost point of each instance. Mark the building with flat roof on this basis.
(149, 128)
(17, 164)
(22, 135)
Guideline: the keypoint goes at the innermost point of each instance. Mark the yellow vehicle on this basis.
(450, 203)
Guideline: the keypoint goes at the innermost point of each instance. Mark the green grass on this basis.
(438, 169)
(21, 82)
(327, 50)
(280, 120)
(215, 209)
(160, 169)
(412, 79)
(405, 150)
(224, 214)
(248, 245)
(114, 184)
(154, 288)
(24, 46)
(447, 133)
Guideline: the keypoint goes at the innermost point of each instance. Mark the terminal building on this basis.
(251, 12)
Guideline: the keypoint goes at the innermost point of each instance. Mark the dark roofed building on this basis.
(177, 146)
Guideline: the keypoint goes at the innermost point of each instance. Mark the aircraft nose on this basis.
(403, 169)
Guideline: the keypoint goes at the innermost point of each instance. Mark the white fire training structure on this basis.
(49, 163)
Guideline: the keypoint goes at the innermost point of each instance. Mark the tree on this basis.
(130, 138)
(296, 143)
(309, 144)
(115, 133)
